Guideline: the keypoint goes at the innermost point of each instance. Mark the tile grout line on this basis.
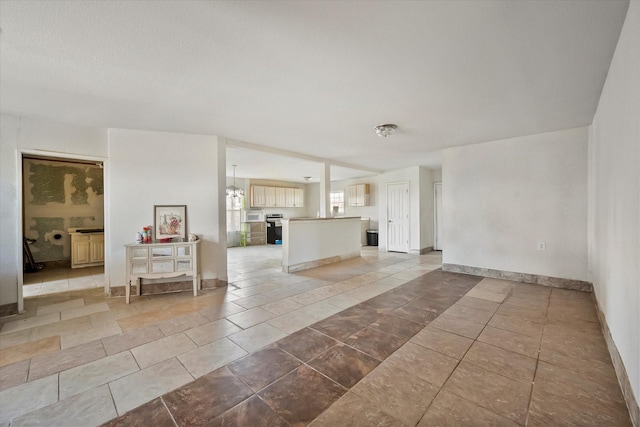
(458, 362)
(535, 372)
(479, 367)
(102, 342)
(168, 410)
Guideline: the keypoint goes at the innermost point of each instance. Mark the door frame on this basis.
(408, 225)
(20, 153)
(437, 237)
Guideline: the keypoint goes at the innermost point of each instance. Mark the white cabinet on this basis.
(258, 197)
(276, 197)
(281, 199)
(359, 195)
(290, 197)
(160, 261)
(269, 196)
(87, 249)
(96, 248)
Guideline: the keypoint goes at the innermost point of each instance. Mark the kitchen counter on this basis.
(312, 242)
(323, 219)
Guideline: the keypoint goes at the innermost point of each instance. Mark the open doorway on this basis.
(62, 224)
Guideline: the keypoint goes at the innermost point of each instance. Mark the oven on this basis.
(274, 228)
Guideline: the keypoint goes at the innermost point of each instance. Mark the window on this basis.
(234, 218)
(336, 199)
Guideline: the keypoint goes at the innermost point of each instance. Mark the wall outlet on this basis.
(542, 246)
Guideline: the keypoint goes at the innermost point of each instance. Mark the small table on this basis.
(162, 260)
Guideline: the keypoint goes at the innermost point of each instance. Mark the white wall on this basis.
(18, 134)
(161, 168)
(614, 196)
(306, 241)
(312, 199)
(501, 198)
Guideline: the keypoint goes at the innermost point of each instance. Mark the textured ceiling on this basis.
(313, 77)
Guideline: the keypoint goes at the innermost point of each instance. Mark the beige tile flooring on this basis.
(77, 350)
(62, 279)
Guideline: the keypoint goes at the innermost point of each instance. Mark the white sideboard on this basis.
(160, 261)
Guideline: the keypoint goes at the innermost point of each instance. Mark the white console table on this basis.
(160, 261)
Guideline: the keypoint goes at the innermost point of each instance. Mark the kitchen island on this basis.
(312, 242)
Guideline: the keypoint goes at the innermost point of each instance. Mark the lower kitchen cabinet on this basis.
(254, 233)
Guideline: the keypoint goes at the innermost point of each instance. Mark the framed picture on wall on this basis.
(170, 221)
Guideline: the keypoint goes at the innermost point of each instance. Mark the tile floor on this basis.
(62, 279)
(387, 339)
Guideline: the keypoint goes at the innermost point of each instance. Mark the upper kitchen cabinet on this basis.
(359, 195)
(258, 196)
(281, 200)
(294, 197)
(270, 197)
(276, 197)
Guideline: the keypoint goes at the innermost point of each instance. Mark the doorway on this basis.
(398, 217)
(60, 195)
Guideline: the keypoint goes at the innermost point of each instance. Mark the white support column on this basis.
(325, 189)
(220, 235)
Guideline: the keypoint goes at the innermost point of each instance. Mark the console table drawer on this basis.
(162, 252)
(165, 266)
(139, 267)
(184, 265)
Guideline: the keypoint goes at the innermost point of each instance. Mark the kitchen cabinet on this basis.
(290, 197)
(96, 248)
(276, 197)
(359, 195)
(254, 233)
(258, 196)
(161, 261)
(269, 197)
(295, 198)
(281, 199)
(87, 249)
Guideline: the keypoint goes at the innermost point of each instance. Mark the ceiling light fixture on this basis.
(307, 178)
(234, 191)
(385, 130)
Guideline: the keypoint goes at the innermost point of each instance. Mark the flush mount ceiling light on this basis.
(385, 130)
(307, 178)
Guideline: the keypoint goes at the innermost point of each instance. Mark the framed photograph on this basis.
(169, 221)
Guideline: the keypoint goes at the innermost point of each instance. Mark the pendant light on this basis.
(234, 191)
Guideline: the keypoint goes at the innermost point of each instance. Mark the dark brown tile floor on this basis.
(421, 354)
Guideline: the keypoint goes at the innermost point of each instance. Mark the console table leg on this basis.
(128, 291)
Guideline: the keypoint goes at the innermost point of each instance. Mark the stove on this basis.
(274, 228)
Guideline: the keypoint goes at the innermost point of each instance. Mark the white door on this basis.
(398, 217)
(437, 192)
